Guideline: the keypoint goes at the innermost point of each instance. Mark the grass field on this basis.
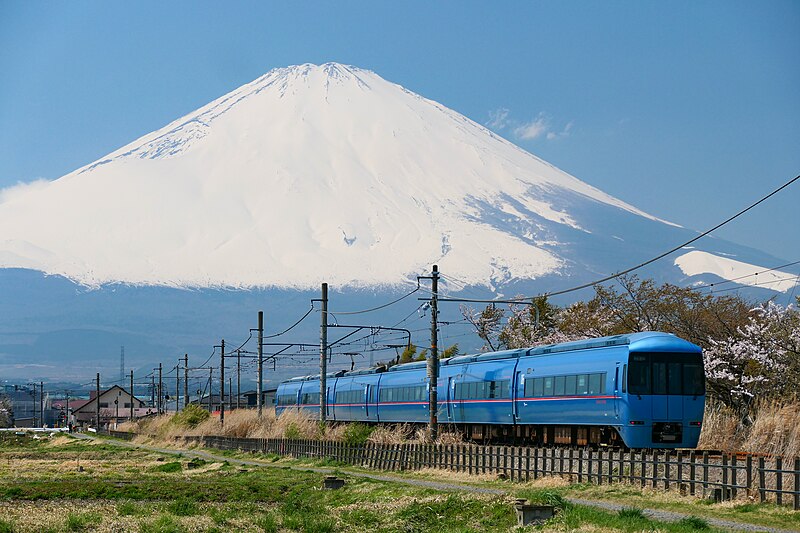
(65, 484)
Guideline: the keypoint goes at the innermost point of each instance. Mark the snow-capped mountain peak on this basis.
(319, 173)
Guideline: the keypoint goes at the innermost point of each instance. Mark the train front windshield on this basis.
(666, 373)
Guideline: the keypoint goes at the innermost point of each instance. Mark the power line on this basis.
(637, 267)
(375, 308)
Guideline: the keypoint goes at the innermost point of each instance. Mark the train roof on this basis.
(646, 341)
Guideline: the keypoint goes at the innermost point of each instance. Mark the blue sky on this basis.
(688, 110)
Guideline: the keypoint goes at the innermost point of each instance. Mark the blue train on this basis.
(643, 390)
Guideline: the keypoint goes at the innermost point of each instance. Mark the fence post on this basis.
(536, 463)
(749, 475)
(599, 466)
(734, 476)
(667, 469)
(779, 480)
(680, 473)
(705, 473)
(797, 483)
(762, 492)
(725, 489)
(692, 471)
(580, 465)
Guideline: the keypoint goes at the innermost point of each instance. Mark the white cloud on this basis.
(540, 127)
(21, 189)
(498, 119)
(534, 129)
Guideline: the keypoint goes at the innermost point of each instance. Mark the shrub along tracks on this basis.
(655, 514)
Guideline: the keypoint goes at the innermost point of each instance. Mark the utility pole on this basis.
(97, 400)
(222, 384)
(41, 400)
(238, 377)
(153, 390)
(185, 379)
(131, 395)
(433, 359)
(230, 393)
(67, 418)
(323, 354)
(210, 384)
(260, 387)
(177, 386)
(34, 403)
(160, 389)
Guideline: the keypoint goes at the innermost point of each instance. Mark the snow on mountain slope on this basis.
(310, 174)
(697, 262)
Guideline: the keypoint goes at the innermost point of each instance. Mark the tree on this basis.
(487, 324)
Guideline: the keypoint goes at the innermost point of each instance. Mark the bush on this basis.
(190, 416)
(357, 433)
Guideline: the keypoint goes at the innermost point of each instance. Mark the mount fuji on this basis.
(310, 174)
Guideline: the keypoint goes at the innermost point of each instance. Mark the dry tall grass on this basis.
(775, 429)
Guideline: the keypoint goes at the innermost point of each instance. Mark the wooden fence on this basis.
(722, 476)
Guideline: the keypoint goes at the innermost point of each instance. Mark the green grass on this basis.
(81, 521)
(168, 467)
(183, 507)
(162, 524)
(6, 526)
(128, 508)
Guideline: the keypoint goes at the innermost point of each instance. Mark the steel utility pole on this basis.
(185, 379)
(67, 417)
(433, 359)
(323, 355)
(97, 400)
(131, 395)
(260, 387)
(153, 390)
(222, 384)
(238, 377)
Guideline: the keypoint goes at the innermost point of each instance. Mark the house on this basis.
(115, 407)
(267, 398)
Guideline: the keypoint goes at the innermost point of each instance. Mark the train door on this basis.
(365, 405)
(616, 391)
(451, 386)
(517, 392)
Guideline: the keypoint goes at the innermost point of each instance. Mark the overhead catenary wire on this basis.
(362, 311)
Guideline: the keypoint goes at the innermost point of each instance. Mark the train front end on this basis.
(663, 393)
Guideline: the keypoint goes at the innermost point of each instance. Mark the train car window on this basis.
(659, 377)
(529, 387)
(558, 390)
(639, 375)
(548, 386)
(538, 387)
(694, 378)
(594, 383)
(674, 380)
(505, 391)
(603, 382)
(571, 388)
(492, 388)
(624, 377)
(583, 384)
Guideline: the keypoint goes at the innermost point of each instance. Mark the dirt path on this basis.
(667, 516)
